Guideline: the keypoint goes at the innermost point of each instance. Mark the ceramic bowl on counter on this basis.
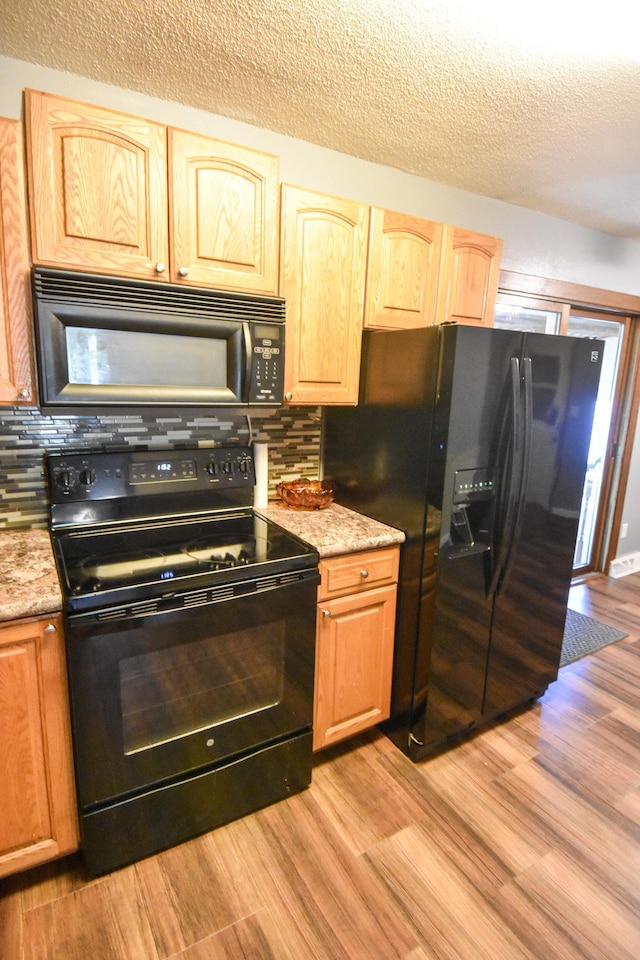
(305, 494)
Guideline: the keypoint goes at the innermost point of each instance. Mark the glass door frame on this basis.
(609, 509)
(613, 447)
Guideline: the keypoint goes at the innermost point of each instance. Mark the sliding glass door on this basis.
(582, 324)
(540, 316)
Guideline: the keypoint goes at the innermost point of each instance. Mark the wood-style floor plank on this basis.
(520, 843)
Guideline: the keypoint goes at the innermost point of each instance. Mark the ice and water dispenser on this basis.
(472, 511)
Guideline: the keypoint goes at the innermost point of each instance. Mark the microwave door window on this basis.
(103, 357)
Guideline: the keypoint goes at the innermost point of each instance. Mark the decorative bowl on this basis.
(305, 494)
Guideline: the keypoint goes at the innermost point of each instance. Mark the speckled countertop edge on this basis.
(334, 530)
(28, 579)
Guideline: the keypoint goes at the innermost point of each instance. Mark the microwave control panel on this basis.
(267, 363)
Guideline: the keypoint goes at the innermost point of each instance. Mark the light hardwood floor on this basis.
(520, 843)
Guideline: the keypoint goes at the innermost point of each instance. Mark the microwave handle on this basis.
(248, 360)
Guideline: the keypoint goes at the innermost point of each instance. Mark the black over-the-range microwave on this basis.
(110, 342)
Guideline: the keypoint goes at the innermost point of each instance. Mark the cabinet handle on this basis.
(288, 395)
(364, 574)
(50, 628)
(183, 271)
(25, 393)
(160, 267)
(326, 613)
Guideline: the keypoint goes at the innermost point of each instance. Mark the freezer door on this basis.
(531, 596)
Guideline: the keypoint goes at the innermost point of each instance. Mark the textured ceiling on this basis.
(494, 97)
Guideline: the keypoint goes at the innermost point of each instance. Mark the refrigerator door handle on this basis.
(510, 469)
(525, 468)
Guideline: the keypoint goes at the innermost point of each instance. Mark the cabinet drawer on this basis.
(354, 572)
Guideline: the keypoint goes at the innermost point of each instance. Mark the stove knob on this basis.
(213, 469)
(227, 466)
(87, 477)
(65, 479)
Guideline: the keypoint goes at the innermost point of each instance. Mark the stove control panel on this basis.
(88, 476)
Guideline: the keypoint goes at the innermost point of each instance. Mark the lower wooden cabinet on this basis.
(38, 820)
(354, 645)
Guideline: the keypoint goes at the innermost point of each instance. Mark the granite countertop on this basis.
(334, 530)
(28, 579)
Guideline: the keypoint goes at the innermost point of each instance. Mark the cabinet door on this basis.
(354, 662)
(402, 274)
(468, 277)
(37, 798)
(16, 359)
(98, 188)
(323, 262)
(224, 214)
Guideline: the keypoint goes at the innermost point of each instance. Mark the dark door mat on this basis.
(583, 635)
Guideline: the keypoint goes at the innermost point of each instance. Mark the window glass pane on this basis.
(611, 332)
(529, 319)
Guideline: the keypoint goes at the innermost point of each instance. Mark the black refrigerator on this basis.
(474, 442)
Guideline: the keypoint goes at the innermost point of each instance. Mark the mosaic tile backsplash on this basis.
(293, 435)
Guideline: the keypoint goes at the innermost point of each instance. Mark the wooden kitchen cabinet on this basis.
(97, 188)
(403, 271)
(16, 353)
(354, 643)
(225, 214)
(38, 819)
(112, 193)
(469, 274)
(322, 277)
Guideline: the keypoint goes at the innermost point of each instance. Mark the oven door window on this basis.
(159, 696)
(170, 693)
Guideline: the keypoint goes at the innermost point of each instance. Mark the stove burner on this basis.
(224, 552)
(96, 571)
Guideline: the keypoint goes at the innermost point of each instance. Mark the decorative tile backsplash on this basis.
(293, 435)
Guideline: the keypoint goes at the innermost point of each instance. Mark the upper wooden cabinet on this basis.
(118, 194)
(37, 796)
(322, 277)
(98, 188)
(469, 274)
(224, 214)
(16, 355)
(403, 270)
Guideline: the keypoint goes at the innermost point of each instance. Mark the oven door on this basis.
(156, 697)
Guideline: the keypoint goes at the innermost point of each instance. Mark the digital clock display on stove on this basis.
(162, 470)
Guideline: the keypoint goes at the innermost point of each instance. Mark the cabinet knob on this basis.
(364, 574)
(50, 628)
(25, 393)
(288, 395)
(326, 613)
(183, 271)
(160, 267)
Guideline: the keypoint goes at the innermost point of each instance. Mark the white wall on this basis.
(630, 545)
(533, 242)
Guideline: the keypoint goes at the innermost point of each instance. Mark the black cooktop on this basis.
(134, 526)
(175, 554)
